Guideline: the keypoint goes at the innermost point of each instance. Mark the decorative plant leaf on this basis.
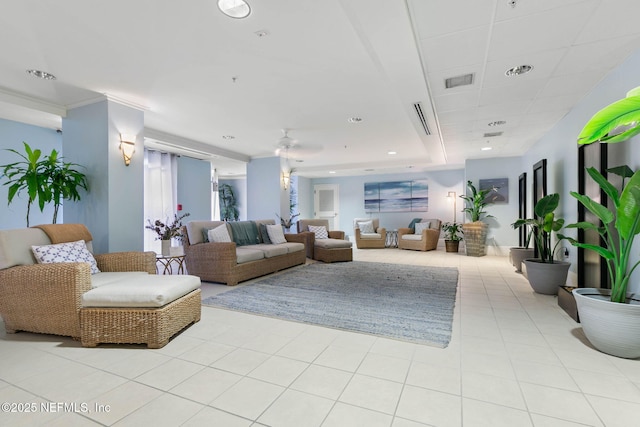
(606, 186)
(547, 204)
(604, 214)
(629, 209)
(603, 252)
(623, 171)
(620, 113)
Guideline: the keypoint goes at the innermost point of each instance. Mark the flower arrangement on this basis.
(287, 223)
(166, 231)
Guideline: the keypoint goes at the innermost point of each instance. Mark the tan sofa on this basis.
(231, 263)
(425, 241)
(126, 302)
(334, 249)
(375, 240)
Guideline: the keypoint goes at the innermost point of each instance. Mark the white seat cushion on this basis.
(417, 237)
(246, 255)
(144, 291)
(332, 243)
(269, 251)
(293, 247)
(106, 277)
(374, 236)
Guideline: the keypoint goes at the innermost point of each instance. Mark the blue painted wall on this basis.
(194, 188)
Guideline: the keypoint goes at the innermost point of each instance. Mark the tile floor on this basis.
(515, 359)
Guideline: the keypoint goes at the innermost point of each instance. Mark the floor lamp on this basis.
(452, 195)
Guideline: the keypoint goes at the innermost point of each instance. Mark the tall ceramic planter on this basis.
(475, 236)
(612, 327)
(546, 278)
(518, 255)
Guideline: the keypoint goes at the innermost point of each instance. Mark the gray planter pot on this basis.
(611, 327)
(475, 236)
(518, 255)
(546, 278)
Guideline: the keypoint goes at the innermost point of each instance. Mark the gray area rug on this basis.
(403, 302)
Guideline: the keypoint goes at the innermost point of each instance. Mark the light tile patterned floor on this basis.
(515, 359)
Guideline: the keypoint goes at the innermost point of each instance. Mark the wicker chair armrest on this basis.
(57, 283)
(127, 261)
(382, 231)
(405, 230)
(309, 242)
(297, 238)
(336, 234)
(430, 236)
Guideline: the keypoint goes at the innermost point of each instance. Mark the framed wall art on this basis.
(396, 196)
(500, 187)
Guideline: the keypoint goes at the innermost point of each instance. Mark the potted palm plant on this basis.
(451, 236)
(545, 274)
(520, 253)
(610, 318)
(475, 232)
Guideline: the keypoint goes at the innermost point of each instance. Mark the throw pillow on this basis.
(220, 234)
(275, 234)
(366, 227)
(65, 252)
(412, 224)
(320, 231)
(264, 234)
(422, 226)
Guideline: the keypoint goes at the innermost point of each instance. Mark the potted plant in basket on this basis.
(166, 231)
(475, 232)
(451, 236)
(611, 318)
(545, 274)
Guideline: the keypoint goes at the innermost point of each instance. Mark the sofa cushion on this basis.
(195, 230)
(412, 224)
(244, 233)
(264, 235)
(366, 227)
(148, 290)
(15, 246)
(332, 243)
(275, 234)
(417, 237)
(244, 254)
(422, 226)
(320, 231)
(373, 236)
(293, 247)
(270, 251)
(106, 277)
(65, 252)
(220, 234)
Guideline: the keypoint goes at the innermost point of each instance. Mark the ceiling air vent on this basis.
(463, 80)
(423, 121)
(492, 134)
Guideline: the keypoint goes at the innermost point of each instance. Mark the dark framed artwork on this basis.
(499, 187)
(522, 207)
(397, 196)
(539, 187)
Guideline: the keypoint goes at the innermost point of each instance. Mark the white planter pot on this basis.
(546, 278)
(518, 255)
(612, 328)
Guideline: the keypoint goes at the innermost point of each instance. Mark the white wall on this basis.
(194, 188)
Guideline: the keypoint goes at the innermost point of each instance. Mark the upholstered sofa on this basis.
(425, 240)
(330, 248)
(375, 238)
(249, 253)
(61, 293)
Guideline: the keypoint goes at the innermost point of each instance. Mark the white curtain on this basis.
(160, 192)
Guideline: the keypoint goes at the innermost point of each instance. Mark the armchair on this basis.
(424, 239)
(334, 248)
(367, 239)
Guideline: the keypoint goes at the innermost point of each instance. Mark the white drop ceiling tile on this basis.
(455, 50)
(448, 117)
(457, 127)
(561, 102)
(487, 112)
(519, 90)
(443, 17)
(512, 122)
(457, 101)
(548, 118)
(525, 7)
(548, 30)
(543, 63)
(613, 18)
(600, 54)
(572, 83)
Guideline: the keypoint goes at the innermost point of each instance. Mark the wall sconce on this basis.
(128, 147)
(286, 179)
(452, 196)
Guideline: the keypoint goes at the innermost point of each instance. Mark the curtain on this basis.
(160, 192)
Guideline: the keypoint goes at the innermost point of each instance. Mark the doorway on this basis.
(326, 203)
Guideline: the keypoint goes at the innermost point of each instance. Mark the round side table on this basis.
(166, 263)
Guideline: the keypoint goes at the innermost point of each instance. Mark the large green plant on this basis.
(617, 122)
(228, 203)
(543, 225)
(45, 180)
(476, 202)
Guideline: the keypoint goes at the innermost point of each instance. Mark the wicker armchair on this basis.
(334, 249)
(375, 240)
(426, 241)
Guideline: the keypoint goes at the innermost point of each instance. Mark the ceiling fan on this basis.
(289, 147)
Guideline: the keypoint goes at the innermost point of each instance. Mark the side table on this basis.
(392, 239)
(167, 262)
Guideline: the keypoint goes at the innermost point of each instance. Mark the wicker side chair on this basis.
(375, 240)
(334, 249)
(425, 241)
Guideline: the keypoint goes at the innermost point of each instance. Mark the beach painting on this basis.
(499, 190)
(396, 196)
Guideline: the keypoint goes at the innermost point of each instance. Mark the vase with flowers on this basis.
(166, 231)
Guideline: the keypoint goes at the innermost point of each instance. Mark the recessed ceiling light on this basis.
(463, 80)
(332, 171)
(486, 148)
(519, 70)
(228, 137)
(392, 152)
(497, 123)
(492, 134)
(354, 119)
(234, 8)
(41, 74)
